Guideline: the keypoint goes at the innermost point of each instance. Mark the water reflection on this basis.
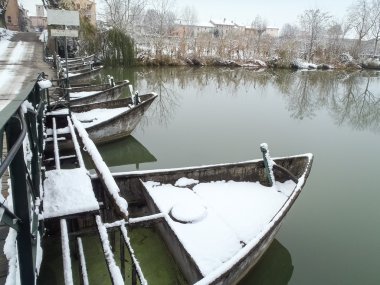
(351, 98)
(274, 268)
(124, 151)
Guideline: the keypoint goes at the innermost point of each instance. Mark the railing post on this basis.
(21, 204)
(31, 119)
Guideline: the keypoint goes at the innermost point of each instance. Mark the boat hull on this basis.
(105, 93)
(133, 189)
(118, 126)
(121, 125)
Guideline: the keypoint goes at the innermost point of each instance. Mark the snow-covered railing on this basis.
(113, 269)
(135, 221)
(56, 149)
(135, 264)
(82, 261)
(102, 168)
(75, 142)
(136, 268)
(22, 124)
(67, 269)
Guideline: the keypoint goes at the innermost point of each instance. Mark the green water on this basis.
(159, 267)
(209, 115)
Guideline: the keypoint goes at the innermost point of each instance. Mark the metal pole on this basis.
(67, 68)
(67, 78)
(21, 204)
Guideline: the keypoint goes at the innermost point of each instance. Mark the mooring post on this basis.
(267, 163)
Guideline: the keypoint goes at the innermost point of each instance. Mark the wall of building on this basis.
(12, 16)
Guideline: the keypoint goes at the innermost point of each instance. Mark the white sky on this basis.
(276, 12)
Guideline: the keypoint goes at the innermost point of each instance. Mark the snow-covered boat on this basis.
(86, 94)
(105, 121)
(217, 220)
(80, 74)
(78, 60)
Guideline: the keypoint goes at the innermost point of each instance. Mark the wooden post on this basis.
(122, 255)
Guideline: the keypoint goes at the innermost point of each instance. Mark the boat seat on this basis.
(68, 192)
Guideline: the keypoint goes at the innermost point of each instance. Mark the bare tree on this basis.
(260, 26)
(289, 31)
(375, 20)
(313, 23)
(124, 14)
(359, 18)
(288, 42)
(335, 35)
(189, 15)
(160, 20)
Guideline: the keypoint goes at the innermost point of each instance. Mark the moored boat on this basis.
(80, 74)
(86, 94)
(106, 121)
(217, 220)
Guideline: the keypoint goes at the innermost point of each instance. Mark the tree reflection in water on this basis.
(351, 98)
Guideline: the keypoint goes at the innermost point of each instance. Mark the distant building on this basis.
(224, 27)
(86, 8)
(271, 31)
(40, 21)
(203, 28)
(218, 29)
(40, 11)
(12, 16)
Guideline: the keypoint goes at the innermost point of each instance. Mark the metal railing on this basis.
(24, 127)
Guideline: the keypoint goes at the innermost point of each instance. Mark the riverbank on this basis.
(345, 61)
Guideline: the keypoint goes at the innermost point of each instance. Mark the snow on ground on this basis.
(68, 191)
(13, 72)
(238, 222)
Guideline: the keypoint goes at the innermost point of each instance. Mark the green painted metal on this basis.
(21, 201)
(8, 218)
(16, 102)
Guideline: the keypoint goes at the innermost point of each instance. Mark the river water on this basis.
(210, 115)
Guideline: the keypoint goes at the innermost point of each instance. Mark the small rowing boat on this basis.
(104, 121)
(86, 94)
(216, 220)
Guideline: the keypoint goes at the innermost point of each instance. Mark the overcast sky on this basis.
(276, 12)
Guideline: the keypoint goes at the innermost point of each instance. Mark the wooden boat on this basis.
(85, 94)
(80, 74)
(76, 60)
(79, 67)
(213, 234)
(106, 121)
